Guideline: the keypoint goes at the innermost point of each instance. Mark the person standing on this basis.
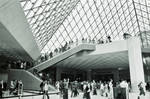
(65, 88)
(111, 93)
(57, 86)
(88, 90)
(124, 89)
(12, 86)
(45, 89)
(72, 89)
(141, 87)
(1, 89)
(102, 89)
(106, 89)
(76, 89)
(20, 88)
(94, 87)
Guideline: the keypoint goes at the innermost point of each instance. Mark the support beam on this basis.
(89, 75)
(13, 19)
(135, 63)
(58, 74)
(116, 75)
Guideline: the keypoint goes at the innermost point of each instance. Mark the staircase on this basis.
(31, 80)
(62, 56)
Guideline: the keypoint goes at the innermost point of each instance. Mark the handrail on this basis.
(71, 47)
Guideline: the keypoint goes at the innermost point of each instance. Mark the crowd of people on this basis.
(102, 88)
(87, 88)
(18, 64)
(68, 45)
(14, 88)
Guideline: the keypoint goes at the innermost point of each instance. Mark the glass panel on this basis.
(55, 21)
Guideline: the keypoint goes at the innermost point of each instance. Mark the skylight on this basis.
(55, 22)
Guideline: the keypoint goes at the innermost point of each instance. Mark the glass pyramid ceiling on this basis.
(55, 22)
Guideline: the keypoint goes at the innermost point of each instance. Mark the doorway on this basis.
(103, 77)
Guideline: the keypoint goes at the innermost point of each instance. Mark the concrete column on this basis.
(116, 75)
(84, 76)
(89, 75)
(58, 74)
(135, 63)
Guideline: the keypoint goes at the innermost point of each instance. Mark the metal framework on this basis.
(55, 22)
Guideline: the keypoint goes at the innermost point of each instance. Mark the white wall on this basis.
(112, 47)
(13, 18)
(4, 76)
(30, 81)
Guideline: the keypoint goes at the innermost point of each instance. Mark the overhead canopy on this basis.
(101, 61)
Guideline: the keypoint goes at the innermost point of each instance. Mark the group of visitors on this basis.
(45, 56)
(15, 88)
(44, 88)
(18, 65)
(71, 44)
(62, 87)
(74, 89)
(104, 89)
(108, 89)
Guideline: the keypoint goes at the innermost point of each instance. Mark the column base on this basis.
(134, 88)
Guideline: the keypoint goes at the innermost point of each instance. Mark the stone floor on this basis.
(92, 97)
(80, 96)
(135, 95)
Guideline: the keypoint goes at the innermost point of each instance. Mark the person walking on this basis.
(102, 89)
(94, 87)
(76, 89)
(87, 90)
(65, 89)
(111, 93)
